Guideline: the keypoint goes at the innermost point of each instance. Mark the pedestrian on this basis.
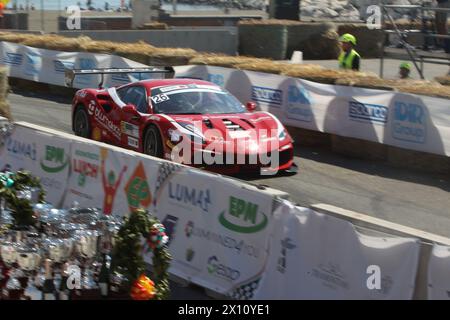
(349, 59)
(405, 70)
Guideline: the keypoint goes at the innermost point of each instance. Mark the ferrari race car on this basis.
(189, 121)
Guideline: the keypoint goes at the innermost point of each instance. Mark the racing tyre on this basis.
(81, 126)
(152, 142)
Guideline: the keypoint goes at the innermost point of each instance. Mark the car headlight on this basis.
(282, 134)
(193, 133)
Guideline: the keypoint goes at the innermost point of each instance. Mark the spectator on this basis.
(349, 59)
(405, 70)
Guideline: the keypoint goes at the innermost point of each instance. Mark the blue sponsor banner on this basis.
(299, 104)
(368, 112)
(409, 122)
(33, 64)
(216, 79)
(12, 59)
(61, 65)
(267, 95)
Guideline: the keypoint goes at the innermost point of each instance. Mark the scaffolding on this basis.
(417, 55)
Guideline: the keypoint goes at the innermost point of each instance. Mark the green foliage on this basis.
(127, 253)
(21, 209)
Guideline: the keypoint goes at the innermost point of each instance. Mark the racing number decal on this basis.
(160, 98)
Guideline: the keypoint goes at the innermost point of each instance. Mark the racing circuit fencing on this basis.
(233, 238)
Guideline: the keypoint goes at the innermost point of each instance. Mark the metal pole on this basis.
(174, 6)
(42, 16)
(16, 15)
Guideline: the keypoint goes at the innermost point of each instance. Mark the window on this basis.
(136, 96)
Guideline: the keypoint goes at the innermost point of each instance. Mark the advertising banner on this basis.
(218, 233)
(398, 119)
(49, 66)
(316, 256)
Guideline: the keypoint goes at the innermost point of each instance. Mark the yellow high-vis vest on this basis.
(347, 62)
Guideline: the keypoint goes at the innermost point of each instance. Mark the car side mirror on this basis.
(131, 109)
(251, 106)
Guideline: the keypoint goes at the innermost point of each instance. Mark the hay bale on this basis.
(268, 67)
(321, 46)
(5, 110)
(14, 37)
(319, 74)
(315, 40)
(421, 87)
(170, 56)
(138, 52)
(98, 46)
(263, 40)
(4, 86)
(55, 42)
(445, 80)
(369, 42)
(154, 26)
(226, 61)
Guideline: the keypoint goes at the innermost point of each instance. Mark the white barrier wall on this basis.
(48, 66)
(439, 273)
(219, 228)
(316, 256)
(225, 235)
(398, 119)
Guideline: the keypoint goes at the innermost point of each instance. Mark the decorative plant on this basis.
(21, 209)
(128, 249)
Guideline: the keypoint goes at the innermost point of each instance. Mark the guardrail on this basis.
(232, 238)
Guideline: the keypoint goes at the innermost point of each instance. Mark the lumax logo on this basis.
(55, 160)
(243, 217)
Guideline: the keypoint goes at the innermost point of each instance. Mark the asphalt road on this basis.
(403, 196)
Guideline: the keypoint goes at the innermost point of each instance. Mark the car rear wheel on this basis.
(152, 142)
(81, 125)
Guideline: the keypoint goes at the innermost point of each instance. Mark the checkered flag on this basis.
(165, 173)
(245, 291)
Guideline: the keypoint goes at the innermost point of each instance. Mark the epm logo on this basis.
(13, 59)
(367, 112)
(409, 123)
(299, 104)
(267, 95)
(55, 159)
(243, 217)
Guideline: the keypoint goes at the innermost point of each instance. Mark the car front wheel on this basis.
(152, 142)
(81, 126)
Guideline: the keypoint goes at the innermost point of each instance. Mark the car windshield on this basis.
(194, 99)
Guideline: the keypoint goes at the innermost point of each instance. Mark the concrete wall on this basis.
(219, 40)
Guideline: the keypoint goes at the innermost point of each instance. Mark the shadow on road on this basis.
(374, 168)
(67, 99)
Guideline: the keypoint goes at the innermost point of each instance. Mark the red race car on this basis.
(190, 121)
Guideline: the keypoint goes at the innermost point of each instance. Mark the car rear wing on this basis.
(70, 74)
